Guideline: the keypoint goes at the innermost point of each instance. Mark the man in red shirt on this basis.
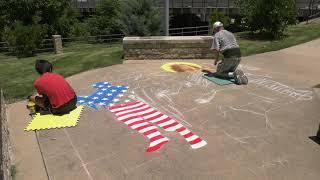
(54, 92)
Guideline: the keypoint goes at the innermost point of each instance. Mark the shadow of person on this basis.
(316, 138)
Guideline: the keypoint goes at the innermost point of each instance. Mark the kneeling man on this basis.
(225, 42)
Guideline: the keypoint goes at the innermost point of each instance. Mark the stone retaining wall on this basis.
(164, 47)
(5, 160)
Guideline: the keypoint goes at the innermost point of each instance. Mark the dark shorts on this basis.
(64, 109)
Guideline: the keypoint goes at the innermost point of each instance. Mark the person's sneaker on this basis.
(244, 80)
(240, 77)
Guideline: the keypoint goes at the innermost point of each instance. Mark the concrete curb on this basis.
(27, 155)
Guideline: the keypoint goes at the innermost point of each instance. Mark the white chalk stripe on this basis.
(184, 132)
(156, 142)
(157, 133)
(126, 107)
(135, 114)
(147, 129)
(139, 125)
(191, 138)
(170, 129)
(167, 123)
(199, 145)
(133, 120)
(151, 115)
(128, 111)
(159, 119)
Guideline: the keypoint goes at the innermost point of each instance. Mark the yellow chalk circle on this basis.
(181, 67)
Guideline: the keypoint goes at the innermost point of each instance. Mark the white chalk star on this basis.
(124, 90)
(81, 101)
(100, 86)
(116, 100)
(99, 93)
(85, 96)
(113, 90)
(91, 102)
(105, 83)
(109, 94)
(111, 105)
(95, 98)
(104, 89)
(120, 95)
(102, 104)
(104, 99)
(109, 86)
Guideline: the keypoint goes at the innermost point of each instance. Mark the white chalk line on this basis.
(78, 154)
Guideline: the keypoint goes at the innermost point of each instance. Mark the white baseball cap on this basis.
(217, 24)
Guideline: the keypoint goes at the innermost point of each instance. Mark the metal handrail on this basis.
(189, 27)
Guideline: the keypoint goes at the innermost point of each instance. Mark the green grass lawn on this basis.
(296, 34)
(17, 75)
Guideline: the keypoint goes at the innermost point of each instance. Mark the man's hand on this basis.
(216, 62)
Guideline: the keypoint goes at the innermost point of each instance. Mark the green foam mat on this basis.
(216, 80)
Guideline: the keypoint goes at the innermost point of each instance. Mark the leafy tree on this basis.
(26, 22)
(57, 15)
(269, 17)
(140, 18)
(106, 19)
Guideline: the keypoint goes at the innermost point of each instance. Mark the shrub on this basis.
(24, 39)
(269, 17)
(219, 16)
(140, 18)
(80, 30)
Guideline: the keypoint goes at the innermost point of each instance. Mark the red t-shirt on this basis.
(56, 88)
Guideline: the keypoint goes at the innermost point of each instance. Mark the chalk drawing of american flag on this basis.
(140, 117)
(106, 95)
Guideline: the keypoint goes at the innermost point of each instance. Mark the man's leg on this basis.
(227, 67)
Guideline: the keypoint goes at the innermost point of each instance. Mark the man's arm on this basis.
(216, 48)
(217, 53)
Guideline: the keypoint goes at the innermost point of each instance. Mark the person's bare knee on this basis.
(40, 101)
(33, 98)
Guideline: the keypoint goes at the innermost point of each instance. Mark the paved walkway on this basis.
(260, 131)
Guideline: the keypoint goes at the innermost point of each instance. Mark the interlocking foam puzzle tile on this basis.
(105, 95)
(219, 81)
(53, 121)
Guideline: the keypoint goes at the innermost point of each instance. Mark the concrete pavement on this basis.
(260, 131)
